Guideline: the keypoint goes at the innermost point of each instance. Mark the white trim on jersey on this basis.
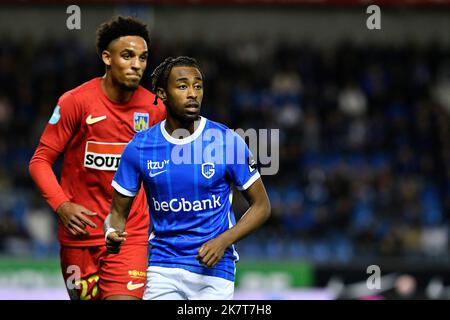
(122, 190)
(249, 182)
(186, 140)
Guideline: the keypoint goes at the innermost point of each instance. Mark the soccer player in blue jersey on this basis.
(187, 165)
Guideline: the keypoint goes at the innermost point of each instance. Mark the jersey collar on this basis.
(188, 139)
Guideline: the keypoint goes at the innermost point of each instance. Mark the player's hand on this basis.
(114, 241)
(211, 252)
(74, 218)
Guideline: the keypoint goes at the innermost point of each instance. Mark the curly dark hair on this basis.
(161, 73)
(120, 26)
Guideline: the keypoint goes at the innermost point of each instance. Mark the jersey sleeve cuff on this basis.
(249, 182)
(122, 190)
(57, 201)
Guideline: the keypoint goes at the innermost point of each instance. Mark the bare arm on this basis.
(117, 218)
(254, 217)
(212, 251)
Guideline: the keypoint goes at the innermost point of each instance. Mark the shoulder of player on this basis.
(147, 97)
(226, 131)
(76, 94)
(143, 135)
(216, 125)
(85, 87)
(144, 90)
(144, 94)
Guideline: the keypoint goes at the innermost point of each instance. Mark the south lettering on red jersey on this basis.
(103, 155)
(92, 131)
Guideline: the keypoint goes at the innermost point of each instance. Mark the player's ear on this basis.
(106, 57)
(161, 93)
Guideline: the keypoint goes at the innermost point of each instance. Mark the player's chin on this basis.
(192, 116)
(131, 85)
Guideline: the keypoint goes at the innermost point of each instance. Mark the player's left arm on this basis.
(258, 212)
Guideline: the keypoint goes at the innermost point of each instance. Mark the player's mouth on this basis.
(134, 76)
(192, 107)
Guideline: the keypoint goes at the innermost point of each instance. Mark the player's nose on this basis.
(191, 93)
(136, 64)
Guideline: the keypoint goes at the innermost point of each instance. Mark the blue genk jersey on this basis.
(188, 186)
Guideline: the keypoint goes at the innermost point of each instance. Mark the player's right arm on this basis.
(115, 223)
(126, 184)
(64, 121)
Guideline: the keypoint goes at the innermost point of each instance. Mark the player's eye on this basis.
(126, 56)
(143, 58)
(198, 87)
(182, 86)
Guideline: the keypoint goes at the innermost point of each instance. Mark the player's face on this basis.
(127, 61)
(184, 93)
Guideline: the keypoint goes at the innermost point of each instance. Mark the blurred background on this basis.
(364, 120)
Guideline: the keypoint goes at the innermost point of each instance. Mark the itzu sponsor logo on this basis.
(176, 205)
(156, 167)
(103, 155)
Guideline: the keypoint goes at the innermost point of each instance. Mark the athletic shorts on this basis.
(92, 274)
(179, 284)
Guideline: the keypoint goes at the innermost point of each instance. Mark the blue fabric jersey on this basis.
(188, 186)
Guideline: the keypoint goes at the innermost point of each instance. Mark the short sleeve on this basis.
(65, 120)
(243, 169)
(127, 179)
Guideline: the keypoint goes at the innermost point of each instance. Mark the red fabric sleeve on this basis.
(41, 172)
(65, 120)
(63, 123)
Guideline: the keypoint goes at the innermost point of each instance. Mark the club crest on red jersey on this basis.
(141, 121)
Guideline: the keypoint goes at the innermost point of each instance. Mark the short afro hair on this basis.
(117, 27)
(161, 73)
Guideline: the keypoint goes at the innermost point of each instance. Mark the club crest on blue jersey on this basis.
(208, 169)
(140, 121)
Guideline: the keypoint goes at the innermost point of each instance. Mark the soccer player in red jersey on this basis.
(91, 125)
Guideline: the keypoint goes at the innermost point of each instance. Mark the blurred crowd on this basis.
(364, 141)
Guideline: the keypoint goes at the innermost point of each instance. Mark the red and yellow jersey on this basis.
(92, 131)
